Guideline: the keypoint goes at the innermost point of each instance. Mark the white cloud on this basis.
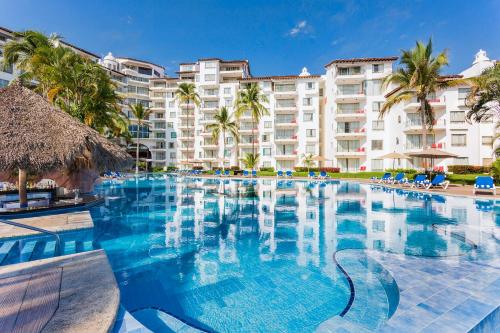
(301, 27)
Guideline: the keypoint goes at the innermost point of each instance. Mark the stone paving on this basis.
(55, 223)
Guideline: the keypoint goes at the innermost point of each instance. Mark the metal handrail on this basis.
(40, 230)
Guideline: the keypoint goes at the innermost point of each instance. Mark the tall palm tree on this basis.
(484, 97)
(418, 77)
(250, 99)
(223, 124)
(141, 114)
(186, 93)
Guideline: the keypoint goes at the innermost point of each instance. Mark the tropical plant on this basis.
(223, 124)
(250, 99)
(484, 97)
(308, 161)
(70, 81)
(186, 93)
(251, 160)
(418, 77)
(141, 114)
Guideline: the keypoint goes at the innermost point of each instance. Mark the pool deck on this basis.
(55, 223)
(73, 294)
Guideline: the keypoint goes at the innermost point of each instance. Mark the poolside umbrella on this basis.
(320, 158)
(394, 156)
(432, 153)
(38, 138)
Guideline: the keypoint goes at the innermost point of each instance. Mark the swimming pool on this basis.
(268, 255)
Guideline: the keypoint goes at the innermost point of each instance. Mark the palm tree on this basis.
(307, 160)
(484, 97)
(250, 161)
(141, 114)
(186, 93)
(223, 124)
(418, 77)
(251, 99)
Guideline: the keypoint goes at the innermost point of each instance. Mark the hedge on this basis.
(468, 169)
(304, 169)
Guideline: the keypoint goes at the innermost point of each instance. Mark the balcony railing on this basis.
(351, 130)
(285, 88)
(350, 111)
(286, 120)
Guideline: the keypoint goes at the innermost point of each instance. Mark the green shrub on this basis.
(468, 169)
(157, 169)
(495, 170)
(409, 171)
(268, 169)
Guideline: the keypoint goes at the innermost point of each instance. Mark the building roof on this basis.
(442, 78)
(279, 77)
(164, 79)
(6, 30)
(138, 60)
(80, 49)
(355, 60)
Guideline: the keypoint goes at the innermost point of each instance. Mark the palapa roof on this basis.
(40, 138)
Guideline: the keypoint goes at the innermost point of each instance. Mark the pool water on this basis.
(268, 255)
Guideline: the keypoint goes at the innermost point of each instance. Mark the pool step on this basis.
(15, 251)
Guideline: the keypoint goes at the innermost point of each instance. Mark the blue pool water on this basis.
(267, 255)
(258, 256)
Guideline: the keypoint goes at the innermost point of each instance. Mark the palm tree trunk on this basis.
(137, 148)
(253, 136)
(223, 148)
(189, 131)
(424, 126)
(23, 195)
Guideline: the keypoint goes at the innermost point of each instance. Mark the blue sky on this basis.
(277, 37)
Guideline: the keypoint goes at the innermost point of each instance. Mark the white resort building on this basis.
(334, 115)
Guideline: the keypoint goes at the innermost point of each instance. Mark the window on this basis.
(377, 165)
(265, 138)
(268, 124)
(307, 101)
(377, 68)
(228, 102)
(160, 135)
(172, 114)
(349, 70)
(143, 131)
(172, 155)
(377, 144)
(267, 164)
(308, 116)
(345, 146)
(171, 145)
(487, 140)
(350, 89)
(211, 64)
(462, 93)
(229, 140)
(458, 140)
(310, 149)
(310, 85)
(375, 87)
(170, 125)
(311, 133)
(376, 106)
(171, 104)
(227, 91)
(378, 225)
(173, 135)
(378, 125)
(145, 71)
(457, 116)
(266, 152)
(209, 77)
(160, 155)
(461, 161)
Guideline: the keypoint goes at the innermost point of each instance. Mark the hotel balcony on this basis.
(351, 152)
(185, 115)
(248, 144)
(186, 138)
(233, 72)
(186, 106)
(205, 134)
(209, 159)
(354, 133)
(187, 149)
(286, 139)
(286, 156)
(207, 145)
(350, 96)
(280, 108)
(436, 103)
(248, 129)
(285, 90)
(415, 126)
(185, 126)
(213, 97)
(350, 78)
(350, 114)
(285, 122)
(209, 108)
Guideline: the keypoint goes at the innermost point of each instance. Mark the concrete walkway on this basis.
(71, 294)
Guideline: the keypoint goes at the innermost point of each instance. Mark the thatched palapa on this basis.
(38, 138)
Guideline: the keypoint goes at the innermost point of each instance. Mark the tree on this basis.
(250, 99)
(141, 114)
(186, 93)
(223, 124)
(307, 160)
(250, 161)
(418, 77)
(484, 97)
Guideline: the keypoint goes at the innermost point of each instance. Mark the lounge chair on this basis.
(254, 173)
(217, 172)
(398, 179)
(245, 173)
(226, 173)
(312, 174)
(323, 175)
(385, 178)
(439, 180)
(280, 174)
(419, 181)
(484, 183)
(289, 174)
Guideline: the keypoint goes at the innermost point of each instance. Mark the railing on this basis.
(40, 230)
(350, 111)
(285, 88)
